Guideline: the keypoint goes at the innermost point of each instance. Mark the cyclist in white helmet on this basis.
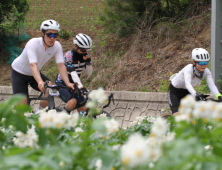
(76, 61)
(190, 76)
(26, 68)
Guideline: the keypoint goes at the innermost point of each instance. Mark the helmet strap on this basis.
(44, 40)
(197, 74)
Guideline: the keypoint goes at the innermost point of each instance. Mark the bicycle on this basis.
(203, 97)
(53, 91)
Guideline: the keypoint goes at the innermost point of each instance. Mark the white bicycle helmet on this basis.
(50, 25)
(83, 41)
(200, 54)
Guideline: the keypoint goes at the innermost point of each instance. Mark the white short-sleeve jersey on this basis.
(35, 52)
(185, 79)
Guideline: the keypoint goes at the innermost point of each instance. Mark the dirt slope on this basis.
(151, 56)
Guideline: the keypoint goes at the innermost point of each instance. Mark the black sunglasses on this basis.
(83, 49)
(50, 35)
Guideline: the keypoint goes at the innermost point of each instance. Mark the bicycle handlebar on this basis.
(205, 98)
(76, 90)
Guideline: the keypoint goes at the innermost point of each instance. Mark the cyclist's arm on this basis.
(37, 76)
(187, 79)
(89, 70)
(64, 74)
(76, 79)
(210, 83)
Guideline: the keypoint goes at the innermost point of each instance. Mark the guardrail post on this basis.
(216, 40)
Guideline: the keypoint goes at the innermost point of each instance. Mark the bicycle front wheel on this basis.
(103, 114)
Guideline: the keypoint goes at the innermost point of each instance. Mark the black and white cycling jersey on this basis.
(75, 64)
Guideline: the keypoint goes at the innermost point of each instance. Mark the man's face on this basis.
(50, 37)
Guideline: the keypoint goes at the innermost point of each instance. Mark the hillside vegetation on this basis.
(127, 55)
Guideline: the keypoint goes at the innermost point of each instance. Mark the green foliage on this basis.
(65, 34)
(196, 145)
(163, 85)
(146, 88)
(123, 17)
(203, 88)
(12, 14)
(149, 56)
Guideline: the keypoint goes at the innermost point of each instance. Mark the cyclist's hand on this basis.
(86, 57)
(70, 85)
(220, 98)
(41, 86)
(83, 90)
(198, 97)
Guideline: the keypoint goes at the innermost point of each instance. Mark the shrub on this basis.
(123, 17)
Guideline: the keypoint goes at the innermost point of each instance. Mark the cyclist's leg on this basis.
(20, 84)
(34, 85)
(65, 96)
(174, 97)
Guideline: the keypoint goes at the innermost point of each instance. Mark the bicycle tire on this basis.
(166, 116)
(61, 109)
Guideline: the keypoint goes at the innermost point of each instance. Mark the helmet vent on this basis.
(198, 57)
(51, 22)
(201, 56)
(46, 25)
(205, 56)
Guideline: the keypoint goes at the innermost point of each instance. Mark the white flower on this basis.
(91, 104)
(210, 127)
(170, 136)
(151, 119)
(3, 147)
(140, 119)
(61, 163)
(98, 164)
(204, 109)
(10, 126)
(133, 123)
(115, 147)
(3, 119)
(111, 126)
(154, 147)
(78, 129)
(218, 111)
(29, 139)
(187, 104)
(183, 117)
(159, 127)
(103, 115)
(2, 129)
(72, 121)
(208, 147)
(98, 95)
(135, 151)
(52, 119)
(27, 114)
(151, 165)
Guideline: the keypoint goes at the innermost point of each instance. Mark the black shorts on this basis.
(66, 94)
(174, 97)
(20, 82)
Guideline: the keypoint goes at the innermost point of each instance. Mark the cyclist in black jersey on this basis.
(76, 60)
